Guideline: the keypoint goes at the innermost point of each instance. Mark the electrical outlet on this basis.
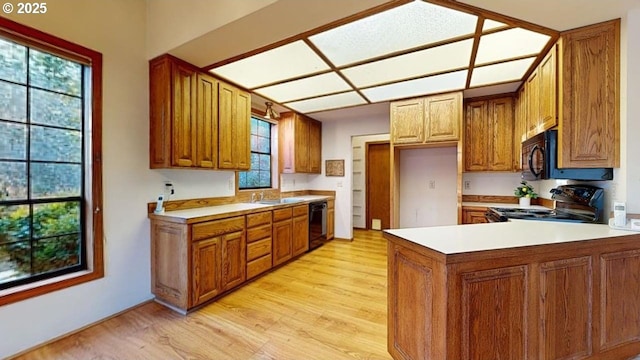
(168, 190)
(467, 184)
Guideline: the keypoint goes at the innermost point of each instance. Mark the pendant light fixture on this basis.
(269, 113)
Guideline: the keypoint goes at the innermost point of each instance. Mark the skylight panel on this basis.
(502, 72)
(308, 87)
(411, 25)
(285, 62)
(428, 85)
(509, 44)
(492, 24)
(327, 102)
(434, 60)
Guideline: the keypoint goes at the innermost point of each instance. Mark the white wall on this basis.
(428, 187)
(485, 183)
(336, 145)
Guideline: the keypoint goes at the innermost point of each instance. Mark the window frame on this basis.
(93, 206)
(272, 156)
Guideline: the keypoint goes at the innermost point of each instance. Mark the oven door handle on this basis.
(531, 154)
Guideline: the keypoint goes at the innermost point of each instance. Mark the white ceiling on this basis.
(294, 19)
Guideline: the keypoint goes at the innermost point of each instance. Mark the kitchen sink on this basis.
(280, 201)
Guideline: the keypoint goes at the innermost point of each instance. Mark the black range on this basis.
(574, 203)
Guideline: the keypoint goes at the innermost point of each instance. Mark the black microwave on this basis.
(540, 161)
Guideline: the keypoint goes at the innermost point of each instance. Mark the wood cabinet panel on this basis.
(548, 90)
(501, 123)
(519, 128)
(502, 322)
(234, 128)
(258, 249)
(533, 103)
(589, 134)
(160, 113)
(619, 306)
(282, 214)
(184, 116)
(169, 266)
(443, 117)
(566, 292)
(260, 218)
(207, 123)
(331, 216)
(258, 232)
(474, 215)
(217, 227)
(407, 121)
(282, 235)
(299, 144)
(258, 266)
(234, 259)
(475, 141)
(300, 239)
(315, 147)
(206, 282)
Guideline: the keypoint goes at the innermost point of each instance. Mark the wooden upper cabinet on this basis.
(443, 116)
(475, 142)
(299, 144)
(187, 114)
(501, 125)
(589, 78)
(533, 103)
(207, 126)
(548, 90)
(429, 119)
(519, 127)
(488, 137)
(407, 121)
(234, 128)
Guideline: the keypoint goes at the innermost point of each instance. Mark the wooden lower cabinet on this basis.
(259, 242)
(206, 269)
(282, 235)
(234, 260)
(331, 219)
(473, 215)
(575, 300)
(300, 239)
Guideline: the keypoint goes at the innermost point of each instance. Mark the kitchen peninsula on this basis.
(514, 290)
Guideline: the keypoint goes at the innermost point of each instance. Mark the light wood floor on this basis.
(328, 304)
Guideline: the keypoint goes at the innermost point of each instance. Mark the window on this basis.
(259, 176)
(50, 163)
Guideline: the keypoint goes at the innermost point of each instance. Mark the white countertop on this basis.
(203, 212)
(458, 239)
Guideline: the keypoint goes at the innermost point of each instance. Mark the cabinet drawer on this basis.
(282, 214)
(258, 249)
(258, 266)
(210, 229)
(258, 219)
(258, 233)
(300, 210)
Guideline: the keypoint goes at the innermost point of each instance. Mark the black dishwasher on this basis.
(317, 223)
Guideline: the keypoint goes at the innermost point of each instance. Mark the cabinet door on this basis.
(475, 140)
(473, 216)
(590, 73)
(282, 234)
(234, 260)
(234, 111)
(315, 147)
(301, 129)
(286, 143)
(331, 216)
(443, 116)
(519, 131)
(407, 121)
(533, 104)
(548, 91)
(184, 116)
(160, 113)
(501, 129)
(300, 241)
(207, 122)
(206, 282)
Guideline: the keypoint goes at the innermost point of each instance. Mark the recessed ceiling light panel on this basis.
(285, 62)
(492, 24)
(428, 85)
(509, 44)
(497, 73)
(308, 87)
(408, 26)
(430, 61)
(327, 102)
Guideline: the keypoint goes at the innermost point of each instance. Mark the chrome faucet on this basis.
(253, 197)
(261, 195)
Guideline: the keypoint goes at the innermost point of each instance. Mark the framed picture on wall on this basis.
(334, 167)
